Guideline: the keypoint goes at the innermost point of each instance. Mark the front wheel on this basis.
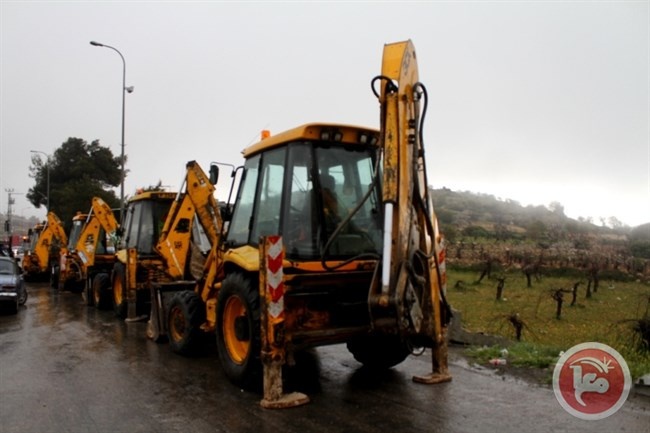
(186, 315)
(238, 331)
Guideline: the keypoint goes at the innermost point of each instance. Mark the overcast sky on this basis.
(530, 101)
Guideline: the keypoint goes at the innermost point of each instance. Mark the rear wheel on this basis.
(186, 315)
(101, 292)
(238, 331)
(119, 291)
(379, 351)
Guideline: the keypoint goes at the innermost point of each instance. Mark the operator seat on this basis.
(330, 201)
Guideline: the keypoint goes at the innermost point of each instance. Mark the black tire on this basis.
(100, 292)
(120, 303)
(184, 320)
(22, 296)
(13, 308)
(238, 331)
(378, 351)
(87, 294)
(74, 283)
(55, 273)
(72, 286)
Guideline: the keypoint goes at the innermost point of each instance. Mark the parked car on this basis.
(5, 251)
(12, 288)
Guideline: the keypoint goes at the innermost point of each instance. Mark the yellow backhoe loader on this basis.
(137, 263)
(46, 242)
(90, 256)
(332, 239)
(60, 277)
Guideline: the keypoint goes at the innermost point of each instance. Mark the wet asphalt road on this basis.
(65, 367)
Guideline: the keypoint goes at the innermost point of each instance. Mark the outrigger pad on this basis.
(285, 401)
(433, 378)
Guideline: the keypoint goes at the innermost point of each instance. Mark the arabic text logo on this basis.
(591, 381)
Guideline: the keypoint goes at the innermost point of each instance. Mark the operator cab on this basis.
(314, 185)
(144, 220)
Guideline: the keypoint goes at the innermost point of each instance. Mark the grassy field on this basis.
(607, 317)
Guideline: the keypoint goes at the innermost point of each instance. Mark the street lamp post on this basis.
(47, 207)
(124, 90)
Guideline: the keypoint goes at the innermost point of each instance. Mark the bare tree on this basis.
(574, 294)
(518, 324)
(558, 296)
(500, 285)
(487, 269)
(532, 269)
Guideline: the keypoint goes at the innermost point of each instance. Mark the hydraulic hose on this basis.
(390, 87)
(426, 203)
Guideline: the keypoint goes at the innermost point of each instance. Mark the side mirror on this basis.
(214, 174)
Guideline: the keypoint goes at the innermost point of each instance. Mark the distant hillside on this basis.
(536, 234)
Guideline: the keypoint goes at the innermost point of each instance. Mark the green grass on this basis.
(606, 317)
(519, 354)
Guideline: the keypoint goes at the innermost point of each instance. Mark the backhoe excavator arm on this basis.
(196, 198)
(200, 189)
(53, 231)
(105, 216)
(412, 271)
(101, 215)
(195, 201)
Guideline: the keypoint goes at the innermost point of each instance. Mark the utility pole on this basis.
(125, 89)
(10, 201)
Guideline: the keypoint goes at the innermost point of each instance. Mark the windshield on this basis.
(144, 223)
(7, 267)
(75, 232)
(306, 191)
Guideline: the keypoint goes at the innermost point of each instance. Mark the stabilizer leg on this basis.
(274, 397)
(274, 340)
(439, 363)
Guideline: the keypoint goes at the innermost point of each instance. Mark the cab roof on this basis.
(80, 216)
(153, 195)
(346, 134)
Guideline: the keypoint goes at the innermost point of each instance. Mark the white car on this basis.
(12, 288)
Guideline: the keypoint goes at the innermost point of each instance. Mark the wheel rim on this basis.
(176, 324)
(237, 347)
(118, 292)
(96, 294)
